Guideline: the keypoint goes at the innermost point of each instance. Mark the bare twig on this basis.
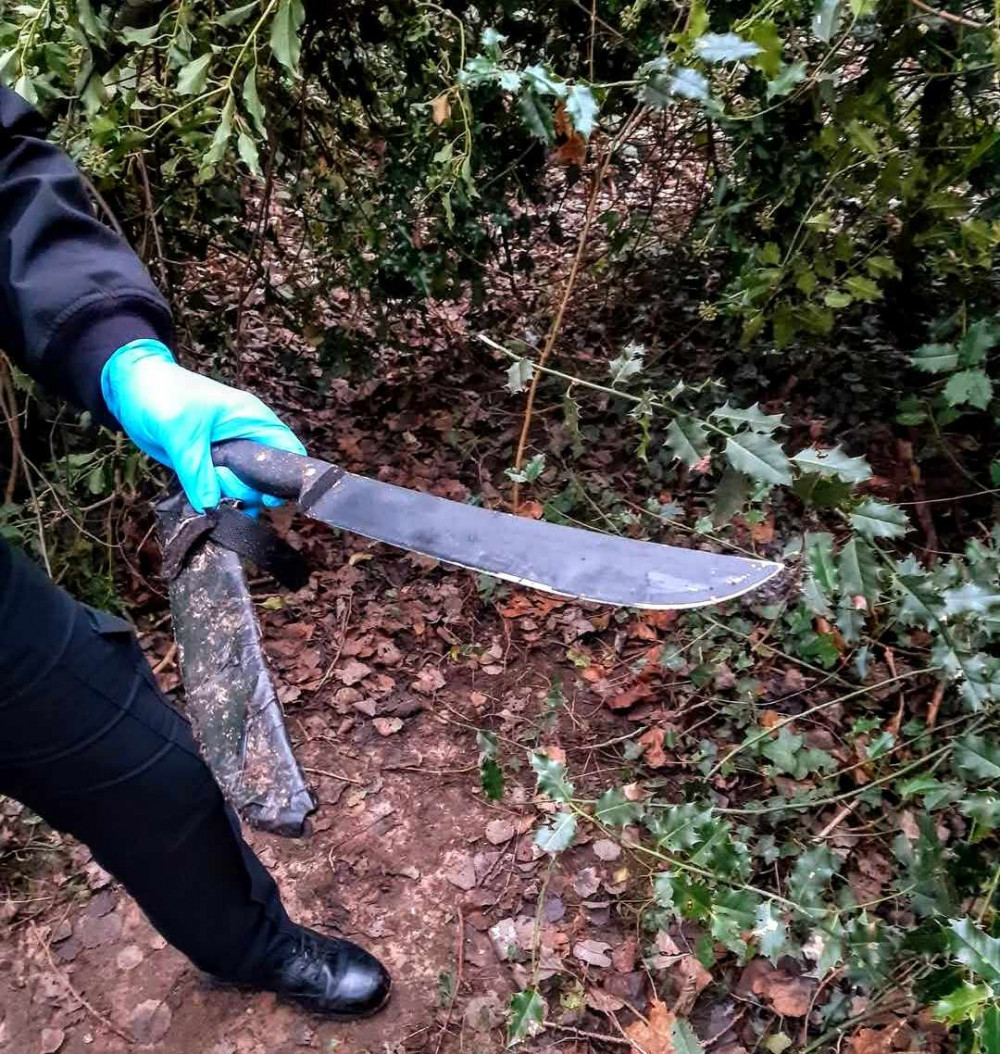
(588, 218)
(836, 821)
(460, 955)
(959, 20)
(154, 227)
(96, 1014)
(333, 776)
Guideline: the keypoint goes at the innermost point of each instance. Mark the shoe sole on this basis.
(326, 1015)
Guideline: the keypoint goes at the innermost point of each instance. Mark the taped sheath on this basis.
(230, 699)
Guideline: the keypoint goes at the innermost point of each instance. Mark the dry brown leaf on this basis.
(387, 726)
(789, 996)
(51, 1040)
(689, 978)
(638, 693)
(656, 1037)
(531, 510)
(352, 672)
(429, 680)
(441, 109)
(654, 755)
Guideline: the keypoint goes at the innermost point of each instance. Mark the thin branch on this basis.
(959, 20)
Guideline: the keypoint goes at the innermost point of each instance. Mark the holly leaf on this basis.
(935, 358)
(285, 43)
(833, 463)
(679, 826)
(525, 1017)
(876, 519)
(687, 438)
(519, 375)
(628, 364)
(725, 47)
(615, 809)
(491, 778)
(819, 551)
(979, 338)
(688, 83)
(582, 108)
(786, 80)
(975, 949)
(537, 116)
(684, 1039)
(969, 599)
(976, 757)
(759, 457)
(752, 417)
(859, 570)
(771, 931)
(963, 1004)
(989, 1036)
(812, 871)
(557, 835)
(551, 777)
(969, 387)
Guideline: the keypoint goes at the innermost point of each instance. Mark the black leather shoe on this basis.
(328, 976)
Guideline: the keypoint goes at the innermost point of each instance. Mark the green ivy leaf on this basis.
(771, 931)
(582, 109)
(876, 519)
(615, 809)
(687, 438)
(684, 1039)
(193, 77)
(975, 949)
(752, 417)
(782, 749)
(238, 15)
(557, 835)
(222, 133)
(285, 42)
(725, 47)
(935, 358)
(251, 100)
(759, 457)
(551, 777)
(969, 387)
(491, 779)
(733, 913)
(833, 463)
(526, 1015)
(812, 871)
(860, 573)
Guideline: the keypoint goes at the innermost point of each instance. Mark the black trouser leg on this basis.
(88, 742)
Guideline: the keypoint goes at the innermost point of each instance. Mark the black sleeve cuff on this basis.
(84, 342)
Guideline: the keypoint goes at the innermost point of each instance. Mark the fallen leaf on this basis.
(587, 882)
(531, 510)
(150, 1021)
(789, 996)
(656, 1036)
(605, 849)
(462, 874)
(129, 957)
(605, 1002)
(594, 953)
(352, 672)
(441, 109)
(638, 693)
(387, 726)
(689, 978)
(652, 740)
(499, 831)
(624, 956)
(429, 680)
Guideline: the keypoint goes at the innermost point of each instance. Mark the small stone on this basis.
(93, 932)
(499, 831)
(504, 939)
(605, 849)
(484, 1012)
(51, 1040)
(101, 905)
(150, 1021)
(129, 957)
(61, 931)
(368, 707)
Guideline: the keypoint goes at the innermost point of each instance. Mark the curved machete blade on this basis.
(565, 560)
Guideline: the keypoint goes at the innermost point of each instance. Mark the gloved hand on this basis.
(175, 416)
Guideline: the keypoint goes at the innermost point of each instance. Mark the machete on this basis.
(567, 561)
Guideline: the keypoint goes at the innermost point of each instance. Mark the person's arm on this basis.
(71, 292)
(79, 312)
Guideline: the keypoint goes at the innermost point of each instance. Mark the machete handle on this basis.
(270, 470)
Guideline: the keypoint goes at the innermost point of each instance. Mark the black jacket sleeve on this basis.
(71, 291)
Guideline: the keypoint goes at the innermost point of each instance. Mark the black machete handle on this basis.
(272, 471)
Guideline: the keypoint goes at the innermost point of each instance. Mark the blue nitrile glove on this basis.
(175, 416)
